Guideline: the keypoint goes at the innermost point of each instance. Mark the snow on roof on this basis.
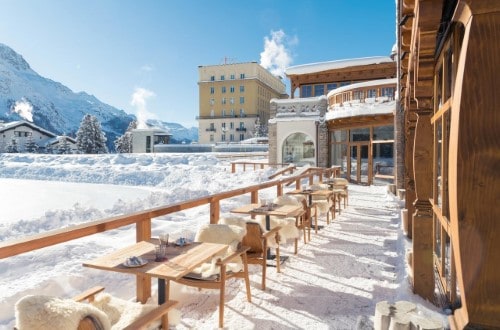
(302, 100)
(360, 109)
(361, 85)
(13, 124)
(338, 64)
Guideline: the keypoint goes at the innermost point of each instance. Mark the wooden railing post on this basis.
(233, 168)
(279, 189)
(214, 211)
(143, 282)
(254, 197)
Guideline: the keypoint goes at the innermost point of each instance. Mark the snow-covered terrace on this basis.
(366, 106)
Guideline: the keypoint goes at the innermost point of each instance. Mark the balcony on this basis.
(241, 129)
(210, 129)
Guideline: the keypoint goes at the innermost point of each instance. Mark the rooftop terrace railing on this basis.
(142, 220)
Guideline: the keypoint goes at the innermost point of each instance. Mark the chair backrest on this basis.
(340, 182)
(253, 238)
(286, 200)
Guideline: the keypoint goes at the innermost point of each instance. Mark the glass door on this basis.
(359, 163)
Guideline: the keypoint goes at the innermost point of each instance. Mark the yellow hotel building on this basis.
(234, 97)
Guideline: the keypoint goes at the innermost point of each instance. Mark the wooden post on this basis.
(254, 197)
(279, 190)
(143, 282)
(423, 270)
(233, 168)
(214, 211)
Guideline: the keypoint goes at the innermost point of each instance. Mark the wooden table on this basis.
(181, 261)
(279, 211)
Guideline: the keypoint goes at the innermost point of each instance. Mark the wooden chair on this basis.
(323, 204)
(218, 281)
(340, 184)
(302, 219)
(257, 241)
(40, 305)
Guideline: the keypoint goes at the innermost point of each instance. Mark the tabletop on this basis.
(181, 259)
(279, 210)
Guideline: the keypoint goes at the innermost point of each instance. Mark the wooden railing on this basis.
(142, 220)
(255, 165)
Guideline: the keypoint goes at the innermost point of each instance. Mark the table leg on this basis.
(268, 227)
(162, 290)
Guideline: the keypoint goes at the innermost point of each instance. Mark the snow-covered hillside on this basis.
(24, 94)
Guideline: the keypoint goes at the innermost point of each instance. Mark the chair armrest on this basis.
(233, 255)
(271, 232)
(88, 294)
(152, 316)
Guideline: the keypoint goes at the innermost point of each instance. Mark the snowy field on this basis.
(333, 283)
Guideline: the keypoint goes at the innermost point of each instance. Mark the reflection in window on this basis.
(306, 91)
(299, 149)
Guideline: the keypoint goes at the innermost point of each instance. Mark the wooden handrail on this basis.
(254, 164)
(142, 219)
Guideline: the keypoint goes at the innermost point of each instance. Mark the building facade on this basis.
(24, 136)
(149, 140)
(448, 59)
(233, 98)
(345, 111)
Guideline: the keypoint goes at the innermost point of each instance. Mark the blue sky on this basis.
(114, 48)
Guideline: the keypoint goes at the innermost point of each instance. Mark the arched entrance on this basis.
(299, 148)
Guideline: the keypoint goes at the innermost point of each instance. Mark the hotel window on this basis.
(231, 100)
(211, 138)
(212, 90)
(231, 125)
(223, 113)
(319, 90)
(223, 137)
(344, 83)
(242, 100)
(242, 112)
(231, 89)
(212, 101)
(242, 89)
(371, 93)
(212, 113)
(242, 76)
(222, 77)
(306, 91)
(330, 87)
(231, 137)
(232, 112)
(223, 100)
(212, 78)
(388, 91)
(232, 76)
(242, 137)
(358, 95)
(223, 89)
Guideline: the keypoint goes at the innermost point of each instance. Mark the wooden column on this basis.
(422, 234)
(474, 158)
(410, 196)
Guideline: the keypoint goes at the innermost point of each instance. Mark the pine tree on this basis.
(30, 144)
(90, 138)
(64, 147)
(123, 144)
(12, 147)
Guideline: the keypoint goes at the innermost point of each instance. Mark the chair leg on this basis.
(222, 294)
(247, 278)
(278, 264)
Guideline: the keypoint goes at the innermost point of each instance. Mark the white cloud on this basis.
(24, 109)
(139, 98)
(276, 56)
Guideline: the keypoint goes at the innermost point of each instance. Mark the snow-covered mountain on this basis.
(24, 94)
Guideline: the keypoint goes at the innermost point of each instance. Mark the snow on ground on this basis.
(333, 282)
